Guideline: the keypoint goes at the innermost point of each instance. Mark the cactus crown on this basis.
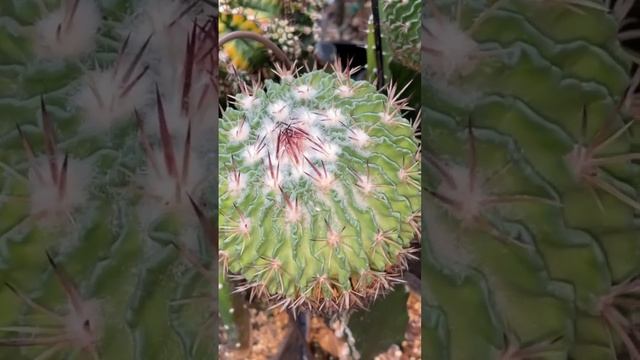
(318, 185)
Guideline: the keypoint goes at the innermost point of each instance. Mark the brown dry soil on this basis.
(271, 329)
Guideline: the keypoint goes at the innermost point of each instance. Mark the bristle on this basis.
(188, 70)
(55, 198)
(167, 146)
(106, 99)
(78, 330)
(148, 150)
(69, 31)
(49, 140)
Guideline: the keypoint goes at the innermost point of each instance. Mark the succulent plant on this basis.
(531, 245)
(400, 21)
(319, 195)
(107, 113)
(270, 18)
(245, 16)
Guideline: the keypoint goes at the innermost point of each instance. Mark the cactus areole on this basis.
(319, 190)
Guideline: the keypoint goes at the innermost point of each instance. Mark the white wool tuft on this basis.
(240, 132)
(305, 116)
(100, 101)
(293, 213)
(253, 153)
(452, 51)
(268, 128)
(344, 91)
(45, 202)
(365, 184)
(160, 190)
(272, 183)
(324, 182)
(76, 37)
(469, 199)
(333, 117)
(75, 323)
(237, 183)
(244, 226)
(329, 152)
(154, 17)
(247, 102)
(387, 118)
(304, 92)
(279, 110)
(360, 138)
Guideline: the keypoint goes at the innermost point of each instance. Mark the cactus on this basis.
(269, 18)
(245, 16)
(318, 190)
(243, 59)
(531, 244)
(400, 22)
(107, 109)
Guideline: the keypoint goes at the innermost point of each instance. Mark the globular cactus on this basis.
(319, 195)
(531, 245)
(107, 118)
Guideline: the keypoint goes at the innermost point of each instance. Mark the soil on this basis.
(269, 330)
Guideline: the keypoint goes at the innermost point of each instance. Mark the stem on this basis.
(371, 51)
(259, 38)
(376, 29)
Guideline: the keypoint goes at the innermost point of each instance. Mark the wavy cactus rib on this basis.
(318, 184)
(105, 130)
(532, 241)
(400, 21)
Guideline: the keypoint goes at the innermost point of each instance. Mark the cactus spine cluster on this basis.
(105, 160)
(318, 190)
(531, 241)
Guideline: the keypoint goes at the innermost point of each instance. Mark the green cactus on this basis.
(318, 190)
(106, 141)
(400, 46)
(400, 21)
(531, 244)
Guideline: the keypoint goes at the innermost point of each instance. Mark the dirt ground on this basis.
(271, 329)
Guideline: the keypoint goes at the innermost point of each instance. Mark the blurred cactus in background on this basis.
(108, 113)
(289, 25)
(531, 236)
